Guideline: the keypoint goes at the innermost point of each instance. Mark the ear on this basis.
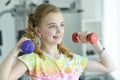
(37, 31)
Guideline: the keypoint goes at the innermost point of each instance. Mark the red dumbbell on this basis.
(92, 37)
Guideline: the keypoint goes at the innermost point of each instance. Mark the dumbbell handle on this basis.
(91, 37)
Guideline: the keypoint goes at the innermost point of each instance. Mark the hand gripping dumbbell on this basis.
(91, 37)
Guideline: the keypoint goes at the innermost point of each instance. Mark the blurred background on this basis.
(99, 16)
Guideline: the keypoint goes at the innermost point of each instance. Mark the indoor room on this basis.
(99, 17)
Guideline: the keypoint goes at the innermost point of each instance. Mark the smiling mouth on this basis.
(57, 37)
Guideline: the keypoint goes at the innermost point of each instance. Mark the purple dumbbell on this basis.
(28, 46)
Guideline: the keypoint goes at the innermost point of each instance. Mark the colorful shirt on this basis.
(54, 69)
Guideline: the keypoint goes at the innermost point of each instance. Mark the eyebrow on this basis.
(54, 23)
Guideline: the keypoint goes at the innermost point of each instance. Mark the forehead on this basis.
(53, 17)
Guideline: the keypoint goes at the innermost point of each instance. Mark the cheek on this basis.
(63, 31)
(48, 34)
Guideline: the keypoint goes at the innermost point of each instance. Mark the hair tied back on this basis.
(32, 18)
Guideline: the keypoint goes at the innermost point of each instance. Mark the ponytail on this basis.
(31, 34)
(65, 51)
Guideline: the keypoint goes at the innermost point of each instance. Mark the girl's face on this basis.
(52, 28)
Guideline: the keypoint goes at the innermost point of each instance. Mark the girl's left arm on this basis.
(106, 63)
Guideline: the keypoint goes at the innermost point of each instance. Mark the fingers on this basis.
(19, 43)
(24, 39)
(82, 37)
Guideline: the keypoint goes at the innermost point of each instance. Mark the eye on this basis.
(62, 25)
(52, 26)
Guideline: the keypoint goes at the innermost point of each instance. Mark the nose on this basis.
(59, 29)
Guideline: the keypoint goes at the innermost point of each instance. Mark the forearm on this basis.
(105, 58)
(6, 65)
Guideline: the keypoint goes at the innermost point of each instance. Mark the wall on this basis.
(111, 28)
(8, 29)
(72, 24)
(92, 9)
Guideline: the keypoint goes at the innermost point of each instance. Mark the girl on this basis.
(50, 59)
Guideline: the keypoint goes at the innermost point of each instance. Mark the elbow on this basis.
(111, 69)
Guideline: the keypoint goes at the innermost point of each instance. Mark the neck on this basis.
(51, 50)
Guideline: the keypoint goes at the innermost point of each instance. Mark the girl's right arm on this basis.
(7, 70)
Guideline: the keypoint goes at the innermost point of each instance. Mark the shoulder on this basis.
(78, 56)
(81, 59)
(27, 56)
(29, 60)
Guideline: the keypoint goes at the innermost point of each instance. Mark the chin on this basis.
(58, 42)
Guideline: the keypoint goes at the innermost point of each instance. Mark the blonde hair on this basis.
(34, 20)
